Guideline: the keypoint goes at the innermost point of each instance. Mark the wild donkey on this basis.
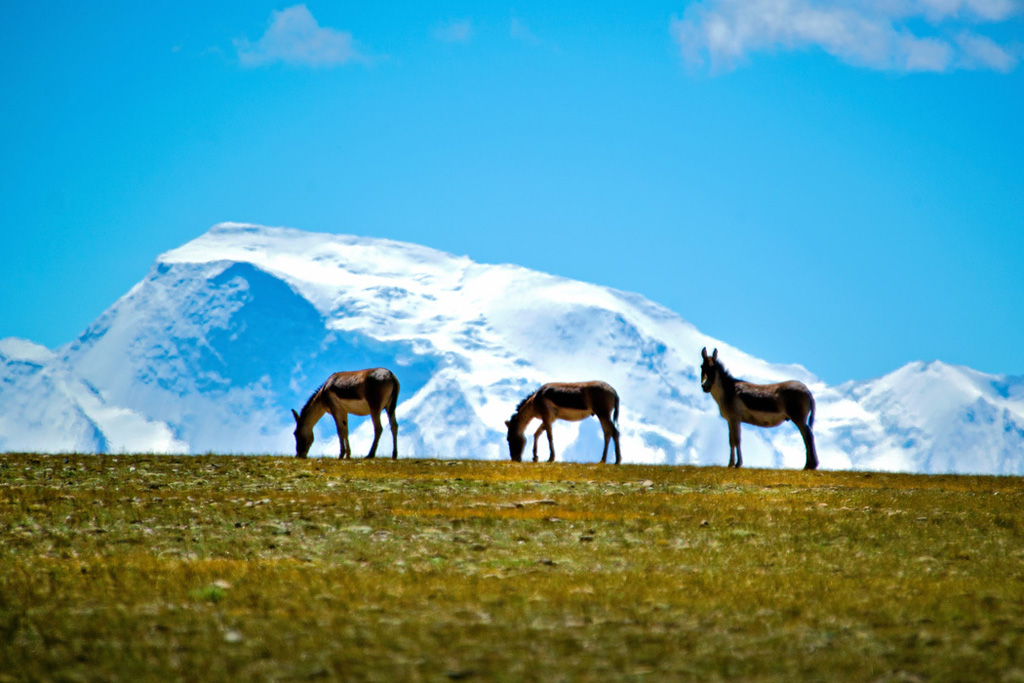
(564, 401)
(764, 405)
(361, 392)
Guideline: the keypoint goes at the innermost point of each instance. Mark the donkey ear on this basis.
(508, 423)
(296, 416)
(704, 353)
(714, 355)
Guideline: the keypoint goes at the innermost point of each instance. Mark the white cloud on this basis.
(891, 35)
(294, 37)
(453, 31)
(979, 52)
(922, 54)
(985, 10)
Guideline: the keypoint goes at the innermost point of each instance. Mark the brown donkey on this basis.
(360, 392)
(764, 405)
(564, 401)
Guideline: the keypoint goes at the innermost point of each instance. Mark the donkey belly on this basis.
(571, 414)
(760, 419)
(353, 406)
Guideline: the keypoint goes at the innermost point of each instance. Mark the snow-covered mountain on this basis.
(229, 332)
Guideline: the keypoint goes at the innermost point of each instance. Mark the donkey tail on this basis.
(615, 413)
(810, 418)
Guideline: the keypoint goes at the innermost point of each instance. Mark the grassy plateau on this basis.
(140, 567)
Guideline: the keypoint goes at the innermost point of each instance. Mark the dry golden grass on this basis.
(212, 568)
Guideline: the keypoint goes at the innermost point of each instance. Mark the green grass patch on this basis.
(136, 567)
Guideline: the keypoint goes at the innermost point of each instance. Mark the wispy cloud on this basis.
(984, 53)
(460, 31)
(891, 35)
(294, 37)
(520, 31)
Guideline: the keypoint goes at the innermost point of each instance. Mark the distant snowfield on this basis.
(230, 331)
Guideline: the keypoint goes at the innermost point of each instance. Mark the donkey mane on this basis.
(312, 398)
(728, 381)
(523, 402)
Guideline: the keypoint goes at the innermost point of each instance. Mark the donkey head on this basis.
(516, 441)
(303, 437)
(708, 369)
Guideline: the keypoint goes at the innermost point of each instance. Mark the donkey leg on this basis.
(611, 432)
(536, 435)
(732, 447)
(393, 422)
(607, 438)
(739, 451)
(734, 444)
(812, 453)
(377, 430)
(551, 442)
(342, 424)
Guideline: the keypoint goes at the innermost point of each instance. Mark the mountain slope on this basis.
(229, 332)
(44, 406)
(941, 418)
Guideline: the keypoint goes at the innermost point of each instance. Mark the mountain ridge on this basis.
(229, 331)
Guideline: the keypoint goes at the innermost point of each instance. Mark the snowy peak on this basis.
(322, 266)
(16, 350)
(912, 389)
(949, 418)
(229, 332)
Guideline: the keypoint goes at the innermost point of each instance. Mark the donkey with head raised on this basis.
(763, 405)
(360, 392)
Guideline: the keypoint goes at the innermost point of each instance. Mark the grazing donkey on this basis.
(361, 392)
(564, 401)
(764, 405)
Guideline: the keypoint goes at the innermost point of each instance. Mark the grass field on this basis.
(137, 567)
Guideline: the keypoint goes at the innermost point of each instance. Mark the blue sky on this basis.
(839, 185)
